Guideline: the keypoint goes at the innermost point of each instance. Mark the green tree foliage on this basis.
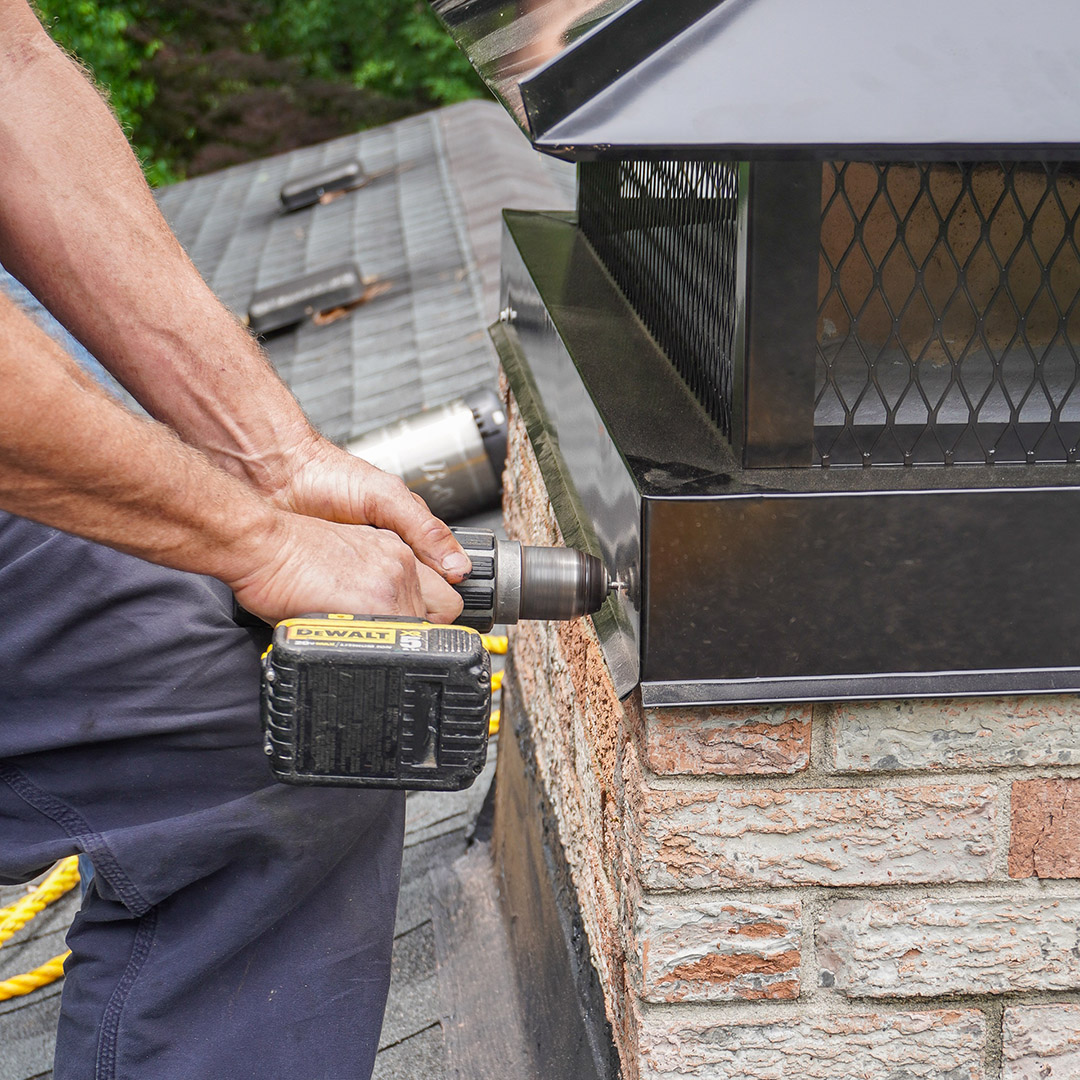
(199, 84)
(395, 47)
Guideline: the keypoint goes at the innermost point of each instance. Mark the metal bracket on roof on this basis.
(299, 298)
(314, 187)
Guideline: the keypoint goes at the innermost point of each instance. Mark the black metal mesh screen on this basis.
(666, 231)
(949, 314)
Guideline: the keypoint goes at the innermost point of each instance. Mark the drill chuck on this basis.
(511, 581)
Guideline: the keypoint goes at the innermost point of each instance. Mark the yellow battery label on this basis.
(349, 630)
(343, 629)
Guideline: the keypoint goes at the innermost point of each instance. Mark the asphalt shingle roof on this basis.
(412, 230)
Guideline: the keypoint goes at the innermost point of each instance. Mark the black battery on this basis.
(376, 702)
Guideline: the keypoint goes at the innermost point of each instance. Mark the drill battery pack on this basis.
(376, 702)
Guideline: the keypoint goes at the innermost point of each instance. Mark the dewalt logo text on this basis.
(340, 633)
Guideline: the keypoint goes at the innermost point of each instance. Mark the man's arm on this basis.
(80, 228)
(72, 457)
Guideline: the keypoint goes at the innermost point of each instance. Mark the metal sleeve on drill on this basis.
(560, 583)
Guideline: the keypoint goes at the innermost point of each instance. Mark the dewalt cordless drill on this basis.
(398, 702)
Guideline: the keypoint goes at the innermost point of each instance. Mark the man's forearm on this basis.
(79, 226)
(71, 457)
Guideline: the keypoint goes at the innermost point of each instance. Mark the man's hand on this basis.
(321, 480)
(314, 565)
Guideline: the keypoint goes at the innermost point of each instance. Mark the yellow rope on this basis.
(33, 980)
(63, 878)
(496, 714)
(497, 644)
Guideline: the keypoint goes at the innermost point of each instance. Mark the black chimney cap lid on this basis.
(745, 79)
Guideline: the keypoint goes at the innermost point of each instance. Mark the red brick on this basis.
(1045, 829)
(718, 950)
(728, 741)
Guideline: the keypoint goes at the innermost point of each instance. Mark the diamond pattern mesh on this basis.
(949, 314)
(948, 301)
(666, 231)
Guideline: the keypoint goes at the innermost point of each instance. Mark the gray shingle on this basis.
(422, 1055)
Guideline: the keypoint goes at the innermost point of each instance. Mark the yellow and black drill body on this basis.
(378, 701)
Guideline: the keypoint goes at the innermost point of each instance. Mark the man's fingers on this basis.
(442, 604)
(400, 567)
(390, 505)
(336, 486)
(317, 565)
